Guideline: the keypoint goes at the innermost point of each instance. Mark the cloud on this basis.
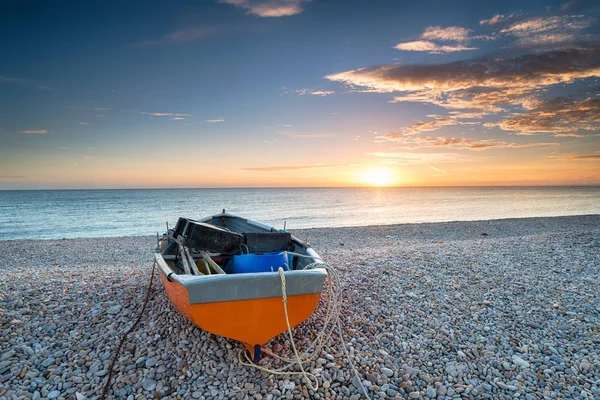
(34, 132)
(321, 93)
(428, 126)
(163, 114)
(535, 26)
(422, 158)
(577, 157)
(525, 72)
(269, 8)
(26, 82)
(462, 143)
(309, 135)
(551, 32)
(499, 19)
(178, 118)
(180, 36)
(215, 120)
(451, 33)
(556, 116)
(543, 33)
(438, 170)
(289, 167)
(423, 45)
(8, 79)
(482, 85)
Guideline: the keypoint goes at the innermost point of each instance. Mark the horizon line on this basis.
(311, 187)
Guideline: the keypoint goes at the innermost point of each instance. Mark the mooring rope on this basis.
(332, 315)
(124, 337)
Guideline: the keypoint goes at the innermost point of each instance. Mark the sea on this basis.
(57, 214)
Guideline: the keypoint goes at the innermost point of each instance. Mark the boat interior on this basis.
(227, 244)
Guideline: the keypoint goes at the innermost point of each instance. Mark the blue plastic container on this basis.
(266, 262)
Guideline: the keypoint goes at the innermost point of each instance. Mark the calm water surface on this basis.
(51, 214)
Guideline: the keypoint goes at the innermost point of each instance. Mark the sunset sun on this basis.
(378, 177)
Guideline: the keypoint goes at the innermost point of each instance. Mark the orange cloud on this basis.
(428, 126)
(451, 33)
(289, 167)
(34, 132)
(424, 45)
(577, 157)
(457, 142)
(555, 116)
(487, 73)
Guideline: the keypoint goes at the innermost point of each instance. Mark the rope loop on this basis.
(331, 323)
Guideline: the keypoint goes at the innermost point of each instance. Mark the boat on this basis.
(222, 273)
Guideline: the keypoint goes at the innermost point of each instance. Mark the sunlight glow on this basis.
(378, 177)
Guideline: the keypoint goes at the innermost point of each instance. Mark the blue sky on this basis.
(298, 93)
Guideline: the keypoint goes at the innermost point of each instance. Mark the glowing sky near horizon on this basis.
(285, 93)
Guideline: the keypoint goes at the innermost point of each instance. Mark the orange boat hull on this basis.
(252, 322)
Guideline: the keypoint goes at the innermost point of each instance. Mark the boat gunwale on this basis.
(253, 285)
(246, 286)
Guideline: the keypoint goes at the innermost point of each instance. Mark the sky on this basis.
(298, 93)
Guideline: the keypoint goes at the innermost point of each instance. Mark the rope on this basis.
(114, 360)
(332, 316)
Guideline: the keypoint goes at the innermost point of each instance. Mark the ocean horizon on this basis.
(81, 213)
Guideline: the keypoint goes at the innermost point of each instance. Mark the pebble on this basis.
(47, 362)
(150, 362)
(520, 362)
(149, 384)
(511, 316)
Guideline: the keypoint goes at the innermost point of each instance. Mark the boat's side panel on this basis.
(253, 321)
(232, 287)
(179, 296)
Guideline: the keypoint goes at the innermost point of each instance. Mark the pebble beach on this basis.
(498, 309)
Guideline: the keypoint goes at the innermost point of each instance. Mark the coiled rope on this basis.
(332, 321)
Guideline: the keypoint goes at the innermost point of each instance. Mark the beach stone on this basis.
(149, 384)
(48, 361)
(150, 362)
(115, 309)
(387, 372)
(430, 392)
(520, 362)
(53, 394)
